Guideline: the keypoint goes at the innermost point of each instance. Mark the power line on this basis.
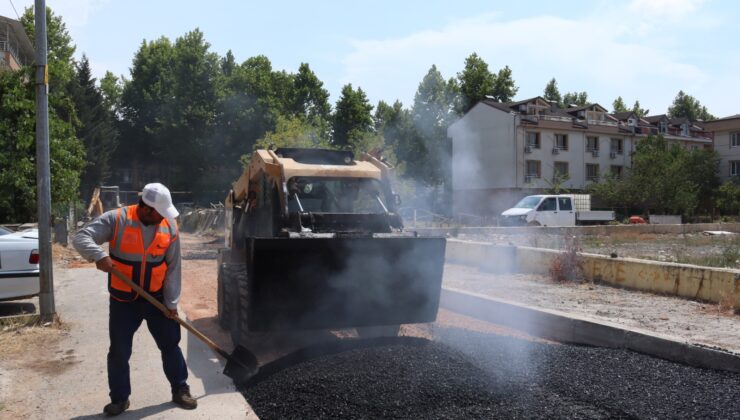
(16, 12)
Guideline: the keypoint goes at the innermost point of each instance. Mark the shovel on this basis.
(240, 365)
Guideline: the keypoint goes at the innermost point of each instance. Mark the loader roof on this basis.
(298, 165)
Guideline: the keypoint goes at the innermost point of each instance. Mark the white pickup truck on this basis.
(555, 210)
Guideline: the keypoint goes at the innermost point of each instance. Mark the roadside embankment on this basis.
(717, 285)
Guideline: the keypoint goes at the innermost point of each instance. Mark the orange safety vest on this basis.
(147, 267)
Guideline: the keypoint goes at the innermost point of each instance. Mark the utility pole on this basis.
(43, 172)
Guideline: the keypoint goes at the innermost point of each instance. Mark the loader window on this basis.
(335, 195)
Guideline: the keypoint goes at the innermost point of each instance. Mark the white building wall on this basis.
(576, 156)
(483, 152)
(727, 153)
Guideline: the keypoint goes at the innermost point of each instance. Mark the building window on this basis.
(662, 127)
(592, 144)
(617, 171)
(694, 147)
(560, 170)
(561, 141)
(734, 167)
(734, 139)
(617, 146)
(533, 169)
(533, 140)
(592, 172)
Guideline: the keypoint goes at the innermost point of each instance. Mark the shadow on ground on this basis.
(17, 308)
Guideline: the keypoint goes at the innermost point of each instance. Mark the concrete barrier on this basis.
(568, 328)
(203, 221)
(689, 281)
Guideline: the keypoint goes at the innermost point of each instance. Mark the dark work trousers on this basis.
(125, 319)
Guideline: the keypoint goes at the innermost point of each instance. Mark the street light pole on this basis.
(43, 172)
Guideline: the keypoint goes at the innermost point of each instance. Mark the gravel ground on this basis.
(682, 319)
(466, 374)
(690, 248)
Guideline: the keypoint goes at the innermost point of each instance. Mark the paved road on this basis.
(462, 374)
(81, 391)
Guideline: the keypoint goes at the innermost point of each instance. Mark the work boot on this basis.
(183, 398)
(114, 409)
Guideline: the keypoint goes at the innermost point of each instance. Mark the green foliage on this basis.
(169, 105)
(728, 197)
(557, 184)
(353, 115)
(427, 150)
(310, 100)
(293, 132)
(552, 93)
(18, 151)
(111, 87)
(60, 50)
(618, 105)
(640, 112)
(96, 128)
(689, 107)
(504, 88)
(476, 81)
(575, 98)
(664, 178)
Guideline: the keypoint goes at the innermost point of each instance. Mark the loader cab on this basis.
(337, 205)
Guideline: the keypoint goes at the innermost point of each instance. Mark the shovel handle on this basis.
(166, 311)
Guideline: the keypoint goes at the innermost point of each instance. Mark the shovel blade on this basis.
(241, 365)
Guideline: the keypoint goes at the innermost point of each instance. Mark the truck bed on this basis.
(595, 215)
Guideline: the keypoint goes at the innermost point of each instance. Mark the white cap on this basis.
(158, 196)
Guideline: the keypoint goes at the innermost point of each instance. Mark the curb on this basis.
(558, 326)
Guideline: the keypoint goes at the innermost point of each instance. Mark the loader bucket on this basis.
(332, 283)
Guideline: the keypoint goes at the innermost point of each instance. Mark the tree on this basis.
(552, 93)
(111, 87)
(96, 129)
(575, 98)
(686, 106)
(476, 81)
(170, 105)
(352, 116)
(504, 88)
(393, 122)
(659, 181)
(60, 50)
(310, 100)
(18, 149)
(640, 112)
(427, 152)
(728, 197)
(619, 105)
(293, 132)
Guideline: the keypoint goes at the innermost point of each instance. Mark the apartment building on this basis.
(16, 49)
(504, 151)
(727, 145)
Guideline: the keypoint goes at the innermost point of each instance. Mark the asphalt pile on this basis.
(462, 374)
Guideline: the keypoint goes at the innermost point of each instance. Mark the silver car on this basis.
(19, 264)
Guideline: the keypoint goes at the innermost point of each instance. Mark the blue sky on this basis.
(640, 49)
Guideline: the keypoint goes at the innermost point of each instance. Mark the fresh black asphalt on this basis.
(462, 374)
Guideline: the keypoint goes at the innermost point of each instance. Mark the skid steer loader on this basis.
(313, 241)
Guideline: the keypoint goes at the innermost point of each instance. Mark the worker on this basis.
(142, 237)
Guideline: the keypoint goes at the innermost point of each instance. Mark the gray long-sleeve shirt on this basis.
(87, 242)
